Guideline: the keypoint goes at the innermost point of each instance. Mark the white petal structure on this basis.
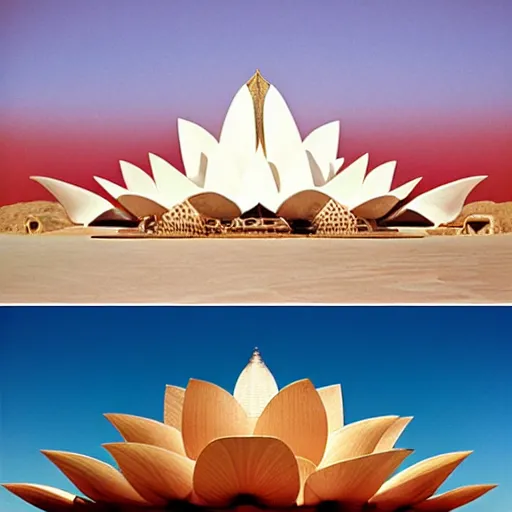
(258, 185)
(137, 205)
(81, 205)
(223, 176)
(261, 159)
(379, 206)
(316, 171)
(284, 145)
(347, 185)
(196, 144)
(403, 191)
(137, 181)
(441, 204)
(334, 168)
(172, 186)
(238, 134)
(322, 144)
(378, 181)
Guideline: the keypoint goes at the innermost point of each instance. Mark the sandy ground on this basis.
(77, 269)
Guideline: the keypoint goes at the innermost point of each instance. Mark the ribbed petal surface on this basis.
(262, 467)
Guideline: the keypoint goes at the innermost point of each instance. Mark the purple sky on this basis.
(352, 56)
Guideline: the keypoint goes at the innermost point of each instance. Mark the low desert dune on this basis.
(80, 269)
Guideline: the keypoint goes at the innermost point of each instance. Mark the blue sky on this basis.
(62, 368)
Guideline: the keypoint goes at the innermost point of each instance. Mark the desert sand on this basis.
(78, 269)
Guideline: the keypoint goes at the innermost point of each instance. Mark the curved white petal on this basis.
(173, 186)
(136, 180)
(284, 145)
(116, 191)
(138, 205)
(346, 185)
(194, 142)
(323, 143)
(403, 191)
(334, 167)
(258, 185)
(81, 205)
(442, 204)
(376, 207)
(223, 175)
(378, 182)
(316, 171)
(238, 134)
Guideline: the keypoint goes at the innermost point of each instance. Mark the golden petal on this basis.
(173, 406)
(297, 416)
(96, 479)
(418, 482)
(390, 437)
(454, 498)
(44, 497)
(306, 468)
(210, 412)
(333, 402)
(359, 438)
(157, 474)
(263, 467)
(136, 429)
(353, 481)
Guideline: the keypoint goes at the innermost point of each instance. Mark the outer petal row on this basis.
(418, 482)
(263, 467)
(44, 497)
(96, 479)
(353, 480)
(156, 474)
(52, 499)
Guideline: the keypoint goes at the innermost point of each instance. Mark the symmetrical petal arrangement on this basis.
(260, 159)
(261, 446)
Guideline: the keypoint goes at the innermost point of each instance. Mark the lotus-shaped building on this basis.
(262, 447)
(261, 169)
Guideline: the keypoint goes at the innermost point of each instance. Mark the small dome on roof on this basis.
(255, 386)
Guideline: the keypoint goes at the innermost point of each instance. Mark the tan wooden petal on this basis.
(136, 429)
(390, 437)
(173, 406)
(356, 439)
(353, 481)
(454, 498)
(157, 474)
(210, 412)
(418, 482)
(333, 402)
(306, 468)
(96, 479)
(263, 467)
(44, 497)
(297, 416)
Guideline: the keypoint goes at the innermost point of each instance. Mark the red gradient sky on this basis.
(438, 149)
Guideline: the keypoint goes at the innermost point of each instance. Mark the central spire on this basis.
(255, 386)
(258, 88)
